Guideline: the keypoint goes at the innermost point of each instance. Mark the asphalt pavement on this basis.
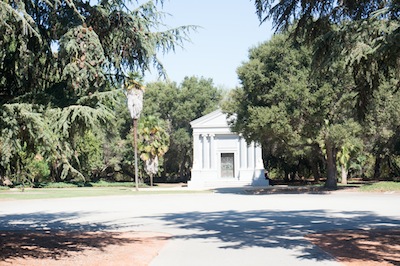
(225, 227)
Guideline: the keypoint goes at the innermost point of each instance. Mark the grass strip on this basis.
(50, 193)
(384, 186)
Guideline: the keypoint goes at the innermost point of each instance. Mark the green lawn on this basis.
(48, 193)
(381, 187)
(112, 190)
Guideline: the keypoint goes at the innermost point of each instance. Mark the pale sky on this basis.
(228, 29)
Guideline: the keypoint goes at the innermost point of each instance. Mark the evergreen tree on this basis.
(154, 143)
(382, 134)
(298, 119)
(179, 105)
(363, 33)
(52, 100)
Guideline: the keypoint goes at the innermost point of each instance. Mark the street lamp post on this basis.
(135, 105)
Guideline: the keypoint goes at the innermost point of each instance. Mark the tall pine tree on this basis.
(61, 62)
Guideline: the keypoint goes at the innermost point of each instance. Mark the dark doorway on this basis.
(227, 165)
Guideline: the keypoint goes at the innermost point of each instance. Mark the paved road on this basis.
(225, 228)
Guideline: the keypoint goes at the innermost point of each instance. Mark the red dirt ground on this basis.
(361, 248)
(79, 248)
(352, 248)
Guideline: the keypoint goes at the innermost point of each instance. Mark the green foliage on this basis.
(89, 153)
(160, 99)
(197, 97)
(153, 138)
(82, 57)
(61, 64)
(343, 135)
(24, 133)
(178, 105)
(274, 102)
(362, 165)
(364, 34)
(56, 185)
(100, 183)
(132, 38)
(38, 169)
(296, 117)
(304, 115)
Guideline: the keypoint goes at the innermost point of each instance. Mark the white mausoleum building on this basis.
(222, 158)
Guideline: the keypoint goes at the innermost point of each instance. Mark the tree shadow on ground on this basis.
(47, 235)
(55, 245)
(360, 245)
(42, 221)
(273, 229)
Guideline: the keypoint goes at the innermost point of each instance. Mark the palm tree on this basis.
(154, 143)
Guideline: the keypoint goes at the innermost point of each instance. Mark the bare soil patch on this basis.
(350, 247)
(79, 248)
(361, 247)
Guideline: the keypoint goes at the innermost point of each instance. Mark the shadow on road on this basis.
(54, 245)
(361, 245)
(48, 221)
(45, 235)
(273, 229)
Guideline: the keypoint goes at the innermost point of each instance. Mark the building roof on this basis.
(215, 121)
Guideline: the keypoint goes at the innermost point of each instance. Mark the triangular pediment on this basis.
(213, 119)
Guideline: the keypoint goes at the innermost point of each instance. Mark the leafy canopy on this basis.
(298, 118)
(365, 34)
(61, 62)
(178, 105)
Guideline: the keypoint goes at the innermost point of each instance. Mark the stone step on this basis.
(220, 183)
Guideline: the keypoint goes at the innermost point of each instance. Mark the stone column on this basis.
(201, 136)
(259, 160)
(250, 154)
(197, 154)
(212, 151)
(206, 152)
(243, 153)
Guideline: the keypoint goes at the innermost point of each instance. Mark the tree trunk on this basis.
(344, 174)
(55, 175)
(315, 170)
(151, 180)
(331, 180)
(136, 159)
(314, 162)
(377, 166)
(182, 167)
(287, 176)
